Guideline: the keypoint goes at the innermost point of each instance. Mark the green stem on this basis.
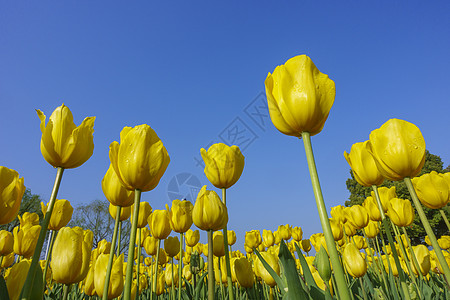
(334, 257)
(155, 280)
(130, 260)
(415, 262)
(444, 217)
(211, 283)
(31, 276)
(138, 262)
(362, 287)
(119, 233)
(428, 229)
(49, 254)
(111, 255)
(227, 255)
(173, 283)
(66, 291)
(384, 220)
(151, 279)
(180, 264)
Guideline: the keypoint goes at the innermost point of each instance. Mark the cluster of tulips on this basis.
(349, 261)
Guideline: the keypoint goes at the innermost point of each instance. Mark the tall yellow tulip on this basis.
(16, 278)
(140, 159)
(261, 271)
(125, 212)
(357, 215)
(11, 193)
(115, 286)
(144, 212)
(192, 237)
(63, 144)
(354, 262)
(244, 272)
(172, 245)
(180, 215)
(432, 189)
(363, 165)
(159, 224)
(370, 204)
(268, 238)
(299, 96)
(223, 164)
(61, 215)
(6, 242)
(398, 148)
(71, 255)
(423, 258)
(401, 212)
(114, 191)
(150, 245)
(209, 212)
(386, 194)
(231, 237)
(25, 239)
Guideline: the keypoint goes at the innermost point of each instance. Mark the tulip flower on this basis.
(359, 242)
(125, 212)
(209, 212)
(423, 258)
(337, 212)
(28, 219)
(231, 235)
(432, 189)
(140, 159)
(285, 232)
(172, 246)
(180, 215)
(349, 229)
(25, 239)
(297, 233)
(159, 224)
(11, 193)
(401, 212)
(114, 191)
(363, 165)
(115, 286)
(386, 194)
(89, 284)
(62, 213)
(218, 246)
(252, 239)
(244, 272)
(306, 245)
(6, 242)
(391, 262)
(187, 274)
(63, 144)
(370, 204)
(71, 255)
(268, 238)
(192, 237)
(372, 229)
(354, 262)
(144, 212)
(16, 278)
(444, 242)
(299, 97)
(261, 271)
(357, 216)
(337, 230)
(171, 274)
(398, 148)
(318, 241)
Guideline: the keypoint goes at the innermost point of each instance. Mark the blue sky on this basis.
(194, 71)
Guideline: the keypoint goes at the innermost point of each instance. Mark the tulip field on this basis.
(363, 251)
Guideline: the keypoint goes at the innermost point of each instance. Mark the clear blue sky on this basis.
(194, 71)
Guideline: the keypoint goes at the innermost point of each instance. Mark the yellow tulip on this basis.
(385, 259)
(168, 274)
(25, 240)
(144, 212)
(231, 237)
(261, 271)
(244, 272)
(359, 242)
(444, 242)
(370, 204)
(306, 245)
(297, 233)
(349, 229)
(209, 212)
(427, 240)
(7, 261)
(372, 229)
(89, 284)
(223, 164)
(159, 224)
(145, 232)
(398, 148)
(172, 246)
(320, 283)
(6, 242)
(187, 274)
(16, 278)
(114, 191)
(268, 238)
(103, 247)
(432, 189)
(401, 212)
(285, 231)
(386, 194)
(63, 144)
(252, 239)
(180, 215)
(71, 255)
(199, 248)
(423, 258)
(11, 193)
(28, 219)
(192, 237)
(125, 212)
(115, 287)
(336, 229)
(363, 165)
(354, 262)
(140, 159)
(299, 97)
(357, 216)
(218, 246)
(318, 241)
(61, 215)
(337, 212)
(160, 285)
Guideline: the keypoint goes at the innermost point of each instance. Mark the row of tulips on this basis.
(299, 99)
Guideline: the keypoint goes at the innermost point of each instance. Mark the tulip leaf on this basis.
(3, 289)
(306, 271)
(295, 290)
(272, 273)
(199, 286)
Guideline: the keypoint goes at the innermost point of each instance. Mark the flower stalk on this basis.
(227, 254)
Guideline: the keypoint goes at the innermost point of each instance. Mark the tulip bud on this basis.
(423, 258)
(218, 244)
(231, 237)
(25, 240)
(337, 212)
(115, 286)
(6, 242)
(172, 246)
(371, 206)
(11, 193)
(61, 215)
(244, 272)
(159, 224)
(169, 273)
(28, 219)
(363, 165)
(299, 97)
(63, 144)
(285, 231)
(336, 229)
(432, 189)
(322, 264)
(261, 271)
(209, 212)
(180, 215)
(192, 237)
(115, 192)
(268, 238)
(306, 245)
(144, 212)
(297, 233)
(125, 212)
(223, 164)
(357, 216)
(354, 262)
(7, 261)
(401, 212)
(372, 229)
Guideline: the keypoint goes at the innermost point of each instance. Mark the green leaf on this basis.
(295, 290)
(306, 272)
(199, 286)
(269, 269)
(3, 290)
